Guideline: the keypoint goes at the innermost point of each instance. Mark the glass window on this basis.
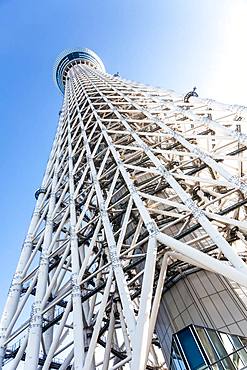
(217, 343)
(235, 358)
(219, 347)
(227, 343)
(217, 366)
(225, 365)
(236, 341)
(207, 346)
(199, 348)
(172, 365)
(178, 364)
(243, 340)
(191, 350)
(243, 354)
(228, 364)
(177, 360)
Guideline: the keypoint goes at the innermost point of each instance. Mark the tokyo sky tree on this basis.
(135, 257)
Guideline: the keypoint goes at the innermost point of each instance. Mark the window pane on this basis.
(173, 366)
(212, 354)
(236, 342)
(177, 359)
(243, 355)
(220, 349)
(228, 364)
(227, 343)
(236, 360)
(191, 350)
(217, 343)
(243, 340)
(217, 366)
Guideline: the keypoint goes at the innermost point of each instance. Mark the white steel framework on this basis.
(140, 186)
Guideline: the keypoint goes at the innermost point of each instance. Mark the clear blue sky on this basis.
(170, 43)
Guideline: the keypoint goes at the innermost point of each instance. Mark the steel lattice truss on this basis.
(139, 187)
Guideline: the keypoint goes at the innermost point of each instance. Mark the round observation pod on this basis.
(71, 57)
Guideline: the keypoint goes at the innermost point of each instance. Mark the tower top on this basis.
(71, 57)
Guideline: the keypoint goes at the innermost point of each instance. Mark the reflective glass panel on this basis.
(236, 341)
(243, 340)
(199, 348)
(172, 365)
(236, 360)
(228, 364)
(191, 350)
(217, 343)
(217, 366)
(207, 346)
(177, 360)
(227, 343)
(243, 354)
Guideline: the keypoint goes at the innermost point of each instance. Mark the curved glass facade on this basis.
(68, 56)
(198, 348)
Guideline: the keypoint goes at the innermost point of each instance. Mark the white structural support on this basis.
(140, 187)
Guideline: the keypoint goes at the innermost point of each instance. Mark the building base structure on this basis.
(209, 312)
(138, 237)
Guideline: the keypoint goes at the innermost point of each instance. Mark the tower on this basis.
(138, 236)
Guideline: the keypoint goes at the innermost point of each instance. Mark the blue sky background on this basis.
(175, 44)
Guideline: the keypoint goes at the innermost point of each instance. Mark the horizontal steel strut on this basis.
(141, 187)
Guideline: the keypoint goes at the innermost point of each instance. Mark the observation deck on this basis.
(68, 58)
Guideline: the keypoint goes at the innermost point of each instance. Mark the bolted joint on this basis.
(196, 211)
(132, 189)
(152, 228)
(114, 256)
(238, 182)
(163, 171)
(200, 153)
(102, 210)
